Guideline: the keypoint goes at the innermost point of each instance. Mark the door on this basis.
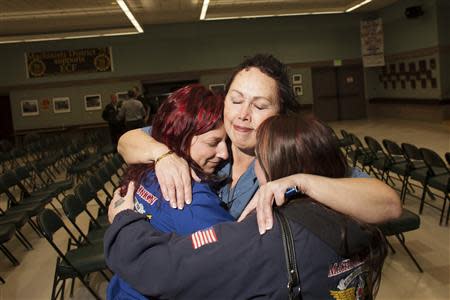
(325, 105)
(339, 93)
(6, 124)
(352, 104)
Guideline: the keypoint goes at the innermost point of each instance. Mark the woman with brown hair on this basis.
(312, 252)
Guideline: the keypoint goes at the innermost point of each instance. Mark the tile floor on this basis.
(400, 280)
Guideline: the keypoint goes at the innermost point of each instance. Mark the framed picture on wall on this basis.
(93, 102)
(61, 105)
(217, 88)
(298, 90)
(297, 79)
(29, 108)
(121, 96)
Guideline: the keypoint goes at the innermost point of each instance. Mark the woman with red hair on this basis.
(190, 123)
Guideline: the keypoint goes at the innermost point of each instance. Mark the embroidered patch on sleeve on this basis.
(343, 266)
(203, 237)
(146, 195)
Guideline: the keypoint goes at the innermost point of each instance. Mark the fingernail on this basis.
(269, 225)
(173, 205)
(262, 231)
(188, 201)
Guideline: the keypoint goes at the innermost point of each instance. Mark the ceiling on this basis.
(42, 19)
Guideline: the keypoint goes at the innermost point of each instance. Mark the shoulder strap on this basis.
(289, 253)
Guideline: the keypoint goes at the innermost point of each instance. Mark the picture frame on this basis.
(121, 96)
(217, 88)
(298, 90)
(297, 79)
(61, 105)
(93, 102)
(29, 107)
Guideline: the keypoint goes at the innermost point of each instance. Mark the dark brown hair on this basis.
(288, 145)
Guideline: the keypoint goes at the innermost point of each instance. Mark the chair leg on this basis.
(422, 199)
(2, 280)
(401, 239)
(23, 240)
(390, 246)
(9, 255)
(443, 209)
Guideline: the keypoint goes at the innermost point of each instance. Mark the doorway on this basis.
(6, 124)
(339, 93)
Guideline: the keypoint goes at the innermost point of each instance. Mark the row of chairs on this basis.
(28, 183)
(407, 162)
(84, 255)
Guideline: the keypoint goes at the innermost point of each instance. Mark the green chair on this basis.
(73, 207)
(75, 262)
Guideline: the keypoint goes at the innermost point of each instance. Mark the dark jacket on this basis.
(232, 261)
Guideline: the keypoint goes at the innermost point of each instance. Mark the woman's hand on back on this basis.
(264, 198)
(174, 178)
(119, 203)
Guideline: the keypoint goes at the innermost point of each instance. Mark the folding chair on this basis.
(380, 160)
(74, 262)
(398, 164)
(418, 169)
(439, 179)
(408, 221)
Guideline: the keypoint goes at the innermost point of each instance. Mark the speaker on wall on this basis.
(413, 12)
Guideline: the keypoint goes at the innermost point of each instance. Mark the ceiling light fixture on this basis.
(66, 36)
(129, 15)
(204, 9)
(276, 15)
(358, 5)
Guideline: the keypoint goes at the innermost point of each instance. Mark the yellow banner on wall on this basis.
(68, 62)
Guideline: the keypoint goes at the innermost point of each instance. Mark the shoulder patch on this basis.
(146, 195)
(343, 266)
(203, 237)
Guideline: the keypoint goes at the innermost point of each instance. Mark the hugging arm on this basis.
(173, 173)
(366, 199)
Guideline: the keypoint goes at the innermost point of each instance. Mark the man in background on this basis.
(109, 114)
(132, 112)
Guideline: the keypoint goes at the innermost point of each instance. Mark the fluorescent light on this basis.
(204, 9)
(276, 15)
(129, 15)
(67, 36)
(358, 5)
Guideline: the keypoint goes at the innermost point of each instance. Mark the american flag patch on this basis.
(203, 237)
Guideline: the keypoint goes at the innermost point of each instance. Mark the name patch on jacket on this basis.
(146, 195)
(203, 237)
(343, 266)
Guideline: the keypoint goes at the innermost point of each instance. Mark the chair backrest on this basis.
(373, 145)
(447, 158)
(9, 179)
(22, 172)
(356, 141)
(394, 151)
(73, 207)
(434, 162)
(412, 152)
(94, 183)
(50, 222)
(84, 192)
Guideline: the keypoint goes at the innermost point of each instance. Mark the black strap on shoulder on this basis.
(289, 253)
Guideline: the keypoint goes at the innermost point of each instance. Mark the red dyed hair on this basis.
(187, 112)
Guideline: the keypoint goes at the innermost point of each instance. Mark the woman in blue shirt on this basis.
(190, 123)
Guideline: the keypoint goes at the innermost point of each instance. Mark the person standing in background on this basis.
(132, 112)
(109, 114)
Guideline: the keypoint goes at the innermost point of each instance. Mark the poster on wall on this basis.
(68, 62)
(372, 43)
(29, 108)
(93, 102)
(61, 105)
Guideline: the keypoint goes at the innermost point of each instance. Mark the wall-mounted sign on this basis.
(62, 62)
